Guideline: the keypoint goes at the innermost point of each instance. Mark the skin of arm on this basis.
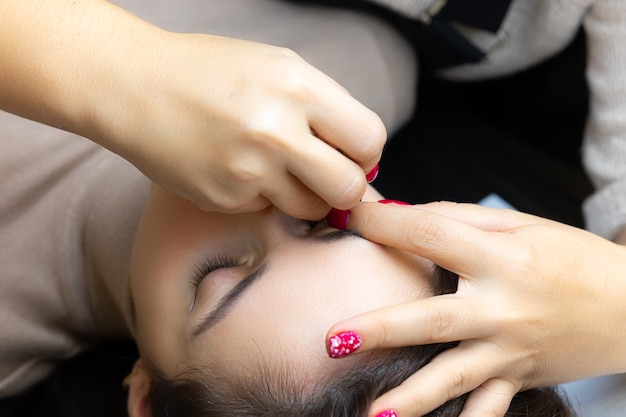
(538, 303)
(229, 124)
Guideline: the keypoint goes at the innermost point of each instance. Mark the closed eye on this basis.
(206, 267)
(319, 232)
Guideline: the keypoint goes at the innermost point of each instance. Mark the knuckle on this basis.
(203, 202)
(352, 192)
(225, 203)
(523, 259)
(244, 170)
(458, 382)
(263, 130)
(355, 190)
(440, 326)
(293, 80)
(424, 232)
(416, 403)
(245, 174)
(496, 395)
(288, 52)
(230, 200)
(373, 142)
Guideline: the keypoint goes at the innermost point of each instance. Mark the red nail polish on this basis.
(371, 176)
(387, 413)
(343, 344)
(398, 202)
(338, 218)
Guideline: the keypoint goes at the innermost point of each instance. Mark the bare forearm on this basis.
(60, 59)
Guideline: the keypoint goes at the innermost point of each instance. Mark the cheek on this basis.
(156, 266)
(159, 311)
(161, 294)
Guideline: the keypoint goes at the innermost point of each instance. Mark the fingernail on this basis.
(338, 218)
(371, 176)
(343, 344)
(398, 202)
(387, 413)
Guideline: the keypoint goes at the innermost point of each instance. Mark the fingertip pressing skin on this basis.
(338, 219)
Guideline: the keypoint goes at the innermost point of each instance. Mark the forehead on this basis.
(285, 316)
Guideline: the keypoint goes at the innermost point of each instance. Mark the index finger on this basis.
(450, 243)
(485, 218)
(439, 319)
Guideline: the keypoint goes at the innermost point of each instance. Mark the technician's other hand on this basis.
(538, 303)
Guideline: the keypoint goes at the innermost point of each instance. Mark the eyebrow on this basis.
(336, 235)
(227, 302)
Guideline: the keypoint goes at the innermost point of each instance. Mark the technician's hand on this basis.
(229, 124)
(236, 126)
(538, 303)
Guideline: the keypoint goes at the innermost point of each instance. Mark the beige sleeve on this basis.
(604, 148)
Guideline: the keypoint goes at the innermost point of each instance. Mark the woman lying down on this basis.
(229, 312)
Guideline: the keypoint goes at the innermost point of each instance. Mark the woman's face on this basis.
(268, 286)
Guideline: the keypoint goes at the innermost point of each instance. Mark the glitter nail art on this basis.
(343, 344)
(387, 413)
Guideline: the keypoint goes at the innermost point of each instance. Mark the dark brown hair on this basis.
(276, 391)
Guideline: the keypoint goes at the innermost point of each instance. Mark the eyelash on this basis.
(209, 265)
(212, 264)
